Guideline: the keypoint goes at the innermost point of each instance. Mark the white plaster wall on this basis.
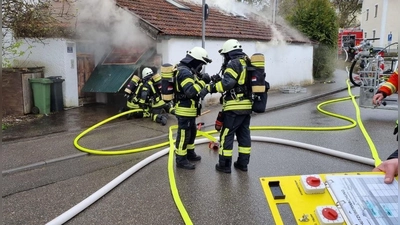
(52, 54)
(285, 64)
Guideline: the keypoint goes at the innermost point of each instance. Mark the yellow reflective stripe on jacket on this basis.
(389, 85)
(242, 78)
(189, 112)
(237, 105)
(187, 81)
(158, 103)
(219, 87)
(231, 72)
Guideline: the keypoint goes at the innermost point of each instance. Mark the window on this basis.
(180, 6)
(366, 19)
(365, 34)
(376, 10)
(373, 34)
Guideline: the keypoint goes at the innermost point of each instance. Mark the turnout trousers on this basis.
(186, 135)
(239, 125)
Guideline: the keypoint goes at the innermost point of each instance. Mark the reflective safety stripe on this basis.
(219, 87)
(227, 153)
(187, 81)
(244, 150)
(389, 85)
(190, 146)
(231, 72)
(197, 87)
(242, 78)
(132, 105)
(237, 105)
(222, 141)
(180, 151)
(189, 112)
(158, 103)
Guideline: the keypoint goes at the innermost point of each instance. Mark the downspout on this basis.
(382, 35)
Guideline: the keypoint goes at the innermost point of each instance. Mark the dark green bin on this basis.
(41, 95)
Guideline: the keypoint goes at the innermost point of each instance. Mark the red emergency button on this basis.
(313, 181)
(330, 214)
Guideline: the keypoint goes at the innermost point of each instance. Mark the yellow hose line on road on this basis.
(174, 190)
(371, 144)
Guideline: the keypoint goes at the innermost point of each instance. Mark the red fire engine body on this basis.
(349, 37)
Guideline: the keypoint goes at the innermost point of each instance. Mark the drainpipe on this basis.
(203, 30)
(383, 34)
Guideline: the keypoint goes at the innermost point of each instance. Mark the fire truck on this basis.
(349, 38)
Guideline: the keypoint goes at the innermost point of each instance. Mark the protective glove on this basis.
(206, 78)
(203, 93)
(215, 78)
(219, 121)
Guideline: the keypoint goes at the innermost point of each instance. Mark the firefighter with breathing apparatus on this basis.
(132, 91)
(236, 107)
(189, 81)
(150, 97)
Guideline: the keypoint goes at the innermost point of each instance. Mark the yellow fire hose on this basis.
(208, 135)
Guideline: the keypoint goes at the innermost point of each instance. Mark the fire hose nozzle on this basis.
(213, 145)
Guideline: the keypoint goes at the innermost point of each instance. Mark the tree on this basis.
(347, 11)
(317, 20)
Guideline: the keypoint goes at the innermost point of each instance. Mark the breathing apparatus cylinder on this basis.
(133, 84)
(167, 82)
(258, 73)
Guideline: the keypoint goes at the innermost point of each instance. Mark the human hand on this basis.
(215, 78)
(390, 168)
(206, 78)
(203, 92)
(377, 99)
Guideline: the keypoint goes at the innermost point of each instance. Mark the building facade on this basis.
(379, 19)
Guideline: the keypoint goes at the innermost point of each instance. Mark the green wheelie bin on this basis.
(41, 95)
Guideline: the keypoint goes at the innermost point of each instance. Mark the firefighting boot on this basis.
(183, 162)
(192, 156)
(161, 119)
(224, 164)
(242, 162)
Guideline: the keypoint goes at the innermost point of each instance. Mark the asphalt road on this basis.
(39, 195)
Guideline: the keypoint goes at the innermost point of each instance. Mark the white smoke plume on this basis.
(253, 11)
(108, 25)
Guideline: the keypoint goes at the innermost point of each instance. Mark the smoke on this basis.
(108, 25)
(262, 12)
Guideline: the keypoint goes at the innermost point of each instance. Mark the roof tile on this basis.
(170, 20)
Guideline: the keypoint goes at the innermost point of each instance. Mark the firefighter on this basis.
(132, 92)
(236, 107)
(150, 97)
(189, 82)
(388, 88)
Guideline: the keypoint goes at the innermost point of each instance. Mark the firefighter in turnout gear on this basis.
(188, 84)
(236, 107)
(150, 97)
(132, 91)
(388, 88)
